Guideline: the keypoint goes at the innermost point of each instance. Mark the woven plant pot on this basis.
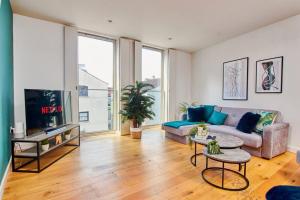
(136, 133)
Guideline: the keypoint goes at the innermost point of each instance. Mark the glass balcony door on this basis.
(96, 58)
(152, 70)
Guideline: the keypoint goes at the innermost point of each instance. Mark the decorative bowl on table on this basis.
(202, 130)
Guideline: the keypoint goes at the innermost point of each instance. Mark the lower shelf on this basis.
(38, 164)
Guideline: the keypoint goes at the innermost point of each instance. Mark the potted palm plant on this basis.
(136, 106)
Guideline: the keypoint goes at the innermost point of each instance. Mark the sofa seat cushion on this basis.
(251, 140)
(181, 131)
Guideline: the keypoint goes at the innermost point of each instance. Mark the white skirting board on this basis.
(3, 182)
(293, 149)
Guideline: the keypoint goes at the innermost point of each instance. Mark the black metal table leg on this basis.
(13, 156)
(223, 168)
(240, 166)
(194, 157)
(245, 164)
(195, 153)
(38, 157)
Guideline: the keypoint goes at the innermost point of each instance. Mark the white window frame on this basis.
(115, 86)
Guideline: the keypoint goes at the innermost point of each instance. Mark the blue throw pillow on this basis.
(208, 111)
(217, 118)
(196, 114)
(248, 122)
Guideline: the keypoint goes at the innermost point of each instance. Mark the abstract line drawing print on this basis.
(235, 79)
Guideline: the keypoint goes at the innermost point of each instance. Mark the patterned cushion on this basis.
(267, 118)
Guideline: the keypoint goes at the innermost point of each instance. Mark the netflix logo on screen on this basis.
(51, 109)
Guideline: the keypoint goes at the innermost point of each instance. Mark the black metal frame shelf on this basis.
(35, 153)
(223, 169)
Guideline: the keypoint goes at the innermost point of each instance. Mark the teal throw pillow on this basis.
(217, 118)
(208, 111)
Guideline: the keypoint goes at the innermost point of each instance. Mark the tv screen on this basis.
(46, 109)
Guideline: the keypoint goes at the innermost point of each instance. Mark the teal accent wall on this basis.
(6, 82)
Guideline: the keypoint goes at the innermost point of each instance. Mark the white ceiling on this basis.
(193, 24)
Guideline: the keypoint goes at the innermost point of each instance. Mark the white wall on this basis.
(279, 39)
(38, 58)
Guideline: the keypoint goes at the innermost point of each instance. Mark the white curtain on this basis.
(71, 67)
(179, 81)
(130, 60)
(137, 61)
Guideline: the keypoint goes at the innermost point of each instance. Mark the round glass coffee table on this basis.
(229, 156)
(225, 142)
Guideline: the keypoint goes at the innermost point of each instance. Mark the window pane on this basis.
(151, 67)
(96, 57)
(96, 92)
(151, 73)
(83, 116)
(83, 91)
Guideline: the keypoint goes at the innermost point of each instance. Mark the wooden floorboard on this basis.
(118, 167)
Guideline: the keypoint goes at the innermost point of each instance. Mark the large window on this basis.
(152, 63)
(96, 58)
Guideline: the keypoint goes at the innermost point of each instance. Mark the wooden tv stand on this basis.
(28, 155)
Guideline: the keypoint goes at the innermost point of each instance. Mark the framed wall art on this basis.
(235, 79)
(269, 75)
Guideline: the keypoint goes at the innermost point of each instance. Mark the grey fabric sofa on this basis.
(271, 143)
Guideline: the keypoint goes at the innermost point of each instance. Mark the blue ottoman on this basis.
(284, 192)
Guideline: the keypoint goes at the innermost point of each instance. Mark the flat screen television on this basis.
(46, 110)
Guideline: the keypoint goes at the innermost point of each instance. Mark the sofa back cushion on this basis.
(208, 111)
(248, 122)
(217, 118)
(235, 114)
(196, 114)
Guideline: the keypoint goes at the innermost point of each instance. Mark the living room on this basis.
(149, 100)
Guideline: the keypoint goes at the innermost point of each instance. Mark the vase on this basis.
(45, 147)
(136, 133)
(68, 136)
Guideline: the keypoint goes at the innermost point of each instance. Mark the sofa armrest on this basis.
(275, 139)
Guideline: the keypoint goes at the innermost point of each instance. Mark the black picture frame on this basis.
(247, 74)
(281, 78)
